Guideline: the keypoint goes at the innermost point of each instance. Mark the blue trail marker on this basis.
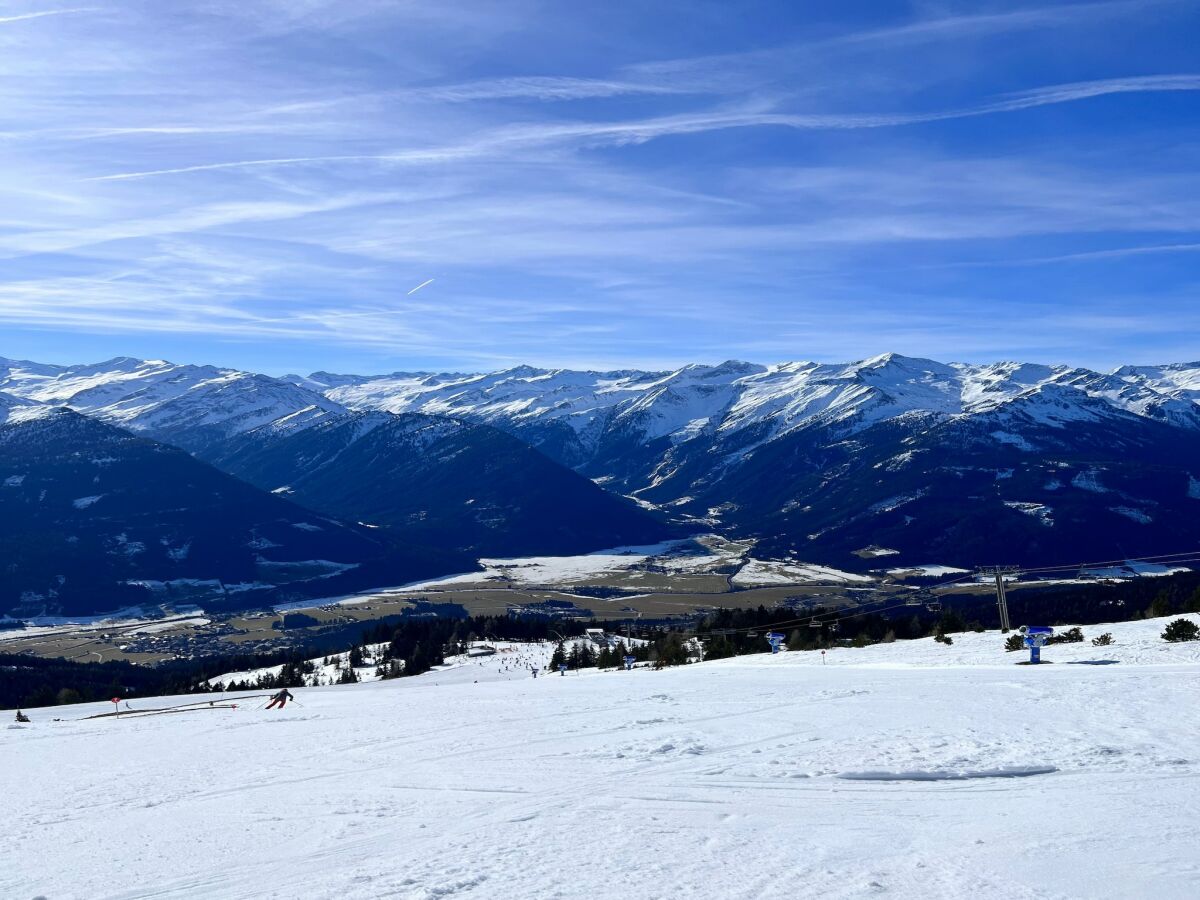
(562, 668)
(1035, 639)
(775, 639)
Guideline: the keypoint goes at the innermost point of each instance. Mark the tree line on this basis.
(413, 645)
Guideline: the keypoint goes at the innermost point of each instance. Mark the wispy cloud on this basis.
(542, 87)
(750, 68)
(642, 130)
(958, 27)
(285, 171)
(201, 218)
(25, 17)
(1085, 256)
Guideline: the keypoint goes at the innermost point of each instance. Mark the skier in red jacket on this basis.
(280, 697)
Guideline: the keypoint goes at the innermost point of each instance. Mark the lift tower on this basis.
(998, 572)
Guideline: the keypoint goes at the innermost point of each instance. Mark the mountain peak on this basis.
(898, 360)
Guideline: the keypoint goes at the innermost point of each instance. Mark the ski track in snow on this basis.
(901, 770)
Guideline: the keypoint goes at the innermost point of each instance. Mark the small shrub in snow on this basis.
(943, 639)
(1103, 641)
(1070, 636)
(1014, 642)
(1181, 630)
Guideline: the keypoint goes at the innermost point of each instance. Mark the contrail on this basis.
(419, 286)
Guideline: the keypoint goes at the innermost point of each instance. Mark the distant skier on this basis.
(280, 697)
(21, 717)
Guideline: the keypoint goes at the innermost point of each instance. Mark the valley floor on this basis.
(901, 770)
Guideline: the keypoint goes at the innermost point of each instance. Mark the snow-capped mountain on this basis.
(575, 416)
(191, 406)
(814, 458)
(1045, 478)
(17, 408)
(969, 463)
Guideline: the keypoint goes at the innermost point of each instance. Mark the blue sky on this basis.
(262, 183)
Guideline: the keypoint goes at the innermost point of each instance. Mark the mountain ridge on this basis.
(94, 517)
(757, 449)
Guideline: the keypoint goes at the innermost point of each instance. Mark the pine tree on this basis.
(558, 657)
(1181, 630)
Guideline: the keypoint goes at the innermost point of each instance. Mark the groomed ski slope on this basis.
(904, 770)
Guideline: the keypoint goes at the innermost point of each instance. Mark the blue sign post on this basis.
(1035, 639)
(775, 639)
(562, 668)
(629, 661)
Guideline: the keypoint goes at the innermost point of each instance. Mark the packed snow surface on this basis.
(906, 770)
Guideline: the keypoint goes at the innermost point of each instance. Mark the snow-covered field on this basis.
(674, 556)
(45, 626)
(932, 570)
(698, 555)
(899, 770)
(758, 572)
